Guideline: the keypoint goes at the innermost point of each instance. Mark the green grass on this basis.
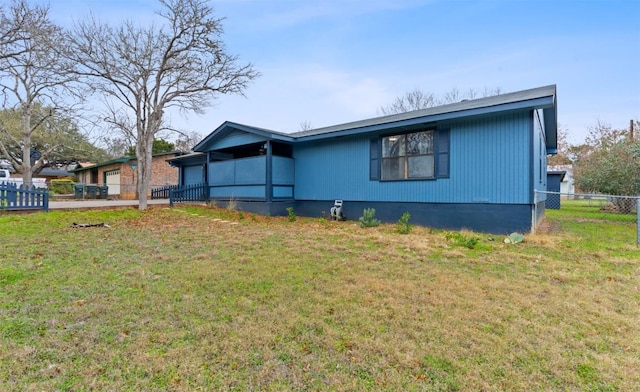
(197, 298)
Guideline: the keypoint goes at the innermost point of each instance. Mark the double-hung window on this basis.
(408, 156)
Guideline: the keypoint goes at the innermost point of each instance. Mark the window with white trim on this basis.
(408, 156)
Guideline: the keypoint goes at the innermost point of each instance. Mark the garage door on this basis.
(113, 181)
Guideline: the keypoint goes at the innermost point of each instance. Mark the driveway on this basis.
(100, 203)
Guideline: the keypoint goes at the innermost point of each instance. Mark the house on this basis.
(554, 182)
(473, 164)
(567, 187)
(120, 174)
(54, 174)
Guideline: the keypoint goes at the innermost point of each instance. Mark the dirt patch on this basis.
(549, 227)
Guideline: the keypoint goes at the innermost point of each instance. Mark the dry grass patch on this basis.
(211, 299)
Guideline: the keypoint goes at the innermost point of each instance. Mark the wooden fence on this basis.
(13, 197)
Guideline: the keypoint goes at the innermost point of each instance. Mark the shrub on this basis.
(232, 204)
(403, 226)
(368, 218)
(291, 215)
(460, 239)
(62, 187)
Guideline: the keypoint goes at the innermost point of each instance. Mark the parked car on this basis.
(5, 176)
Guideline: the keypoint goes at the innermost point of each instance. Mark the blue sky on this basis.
(326, 62)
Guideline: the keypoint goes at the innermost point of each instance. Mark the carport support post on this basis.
(269, 174)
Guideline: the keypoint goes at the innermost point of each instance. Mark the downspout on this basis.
(532, 171)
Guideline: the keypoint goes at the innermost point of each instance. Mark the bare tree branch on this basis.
(32, 76)
(180, 63)
(417, 99)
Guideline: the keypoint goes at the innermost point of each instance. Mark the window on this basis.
(408, 156)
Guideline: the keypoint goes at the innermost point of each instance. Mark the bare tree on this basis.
(33, 76)
(12, 24)
(564, 154)
(603, 136)
(179, 64)
(452, 96)
(412, 100)
(418, 99)
(305, 126)
(186, 141)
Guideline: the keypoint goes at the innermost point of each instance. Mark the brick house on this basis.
(120, 174)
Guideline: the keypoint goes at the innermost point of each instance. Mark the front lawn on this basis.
(193, 298)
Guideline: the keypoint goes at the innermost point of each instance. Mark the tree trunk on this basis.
(27, 177)
(144, 154)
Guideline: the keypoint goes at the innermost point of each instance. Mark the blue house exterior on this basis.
(473, 164)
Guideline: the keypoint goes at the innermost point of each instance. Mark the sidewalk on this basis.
(100, 203)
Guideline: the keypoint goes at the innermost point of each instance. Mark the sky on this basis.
(327, 62)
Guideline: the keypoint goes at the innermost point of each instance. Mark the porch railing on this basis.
(163, 192)
(189, 193)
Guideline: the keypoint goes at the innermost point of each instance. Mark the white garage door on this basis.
(113, 181)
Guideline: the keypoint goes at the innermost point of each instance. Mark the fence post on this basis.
(45, 201)
(638, 221)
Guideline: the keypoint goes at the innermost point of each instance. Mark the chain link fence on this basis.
(592, 206)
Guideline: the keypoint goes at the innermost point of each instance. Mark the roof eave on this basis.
(228, 126)
(547, 102)
(550, 115)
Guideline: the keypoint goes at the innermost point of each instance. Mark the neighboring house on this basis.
(567, 187)
(554, 180)
(120, 174)
(473, 164)
(54, 174)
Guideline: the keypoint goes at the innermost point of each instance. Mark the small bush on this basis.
(460, 239)
(403, 226)
(62, 187)
(291, 215)
(368, 218)
(232, 204)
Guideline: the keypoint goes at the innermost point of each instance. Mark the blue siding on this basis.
(251, 170)
(283, 170)
(222, 173)
(238, 192)
(236, 138)
(489, 163)
(282, 192)
(238, 171)
(193, 175)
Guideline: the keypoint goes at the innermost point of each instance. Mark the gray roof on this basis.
(536, 98)
(48, 172)
(465, 105)
(188, 156)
